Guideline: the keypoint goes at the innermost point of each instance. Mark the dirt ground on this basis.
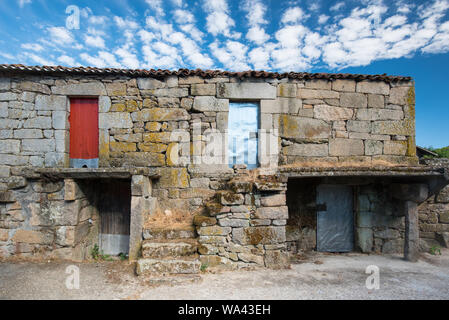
(319, 276)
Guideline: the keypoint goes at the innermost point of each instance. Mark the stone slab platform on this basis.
(418, 171)
(89, 173)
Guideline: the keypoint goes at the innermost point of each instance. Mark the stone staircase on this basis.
(169, 252)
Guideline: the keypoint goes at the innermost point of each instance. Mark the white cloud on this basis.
(294, 15)
(7, 56)
(257, 35)
(218, 21)
(314, 6)
(232, 55)
(67, 61)
(183, 16)
(156, 6)
(164, 29)
(288, 59)
(156, 60)
(337, 6)
(191, 50)
(256, 10)
(194, 32)
(125, 23)
(322, 19)
(260, 58)
(102, 60)
(60, 35)
(145, 36)
(32, 46)
(94, 41)
(440, 43)
(128, 59)
(101, 20)
(291, 36)
(38, 59)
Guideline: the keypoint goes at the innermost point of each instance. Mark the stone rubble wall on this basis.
(47, 220)
(378, 228)
(434, 213)
(243, 225)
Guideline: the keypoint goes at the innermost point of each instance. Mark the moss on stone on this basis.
(411, 103)
(229, 197)
(203, 221)
(213, 208)
(239, 186)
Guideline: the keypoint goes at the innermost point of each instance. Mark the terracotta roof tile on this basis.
(198, 72)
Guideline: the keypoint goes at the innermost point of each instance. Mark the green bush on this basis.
(441, 152)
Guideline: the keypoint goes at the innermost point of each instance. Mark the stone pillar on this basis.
(411, 195)
(411, 244)
(140, 206)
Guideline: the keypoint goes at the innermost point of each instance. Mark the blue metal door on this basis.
(335, 218)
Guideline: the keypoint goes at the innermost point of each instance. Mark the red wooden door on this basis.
(83, 128)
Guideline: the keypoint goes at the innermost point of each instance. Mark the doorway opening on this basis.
(112, 199)
(321, 216)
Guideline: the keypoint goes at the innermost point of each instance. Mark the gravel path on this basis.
(318, 277)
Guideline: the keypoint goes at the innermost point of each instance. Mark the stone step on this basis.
(162, 249)
(168, 266)
(167, 233)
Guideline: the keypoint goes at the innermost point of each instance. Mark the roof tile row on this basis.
(198, 72)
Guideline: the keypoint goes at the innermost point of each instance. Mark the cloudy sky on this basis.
(406, 37)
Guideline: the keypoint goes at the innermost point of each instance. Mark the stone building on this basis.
(209, 168)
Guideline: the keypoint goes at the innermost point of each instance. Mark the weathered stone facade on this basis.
(161, 123)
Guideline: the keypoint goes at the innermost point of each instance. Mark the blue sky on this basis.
(359, 36)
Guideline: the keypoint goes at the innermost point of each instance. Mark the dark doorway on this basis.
(114, 206)
(335, 218)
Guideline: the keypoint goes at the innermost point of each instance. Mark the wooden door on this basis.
(115, 212)
(83, 131)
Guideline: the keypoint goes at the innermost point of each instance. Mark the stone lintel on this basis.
(417, 192)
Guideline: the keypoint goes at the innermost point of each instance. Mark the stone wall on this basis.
(243, 224)
(434, 213)
(379, 228)
(48, 219)
(345, 121)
